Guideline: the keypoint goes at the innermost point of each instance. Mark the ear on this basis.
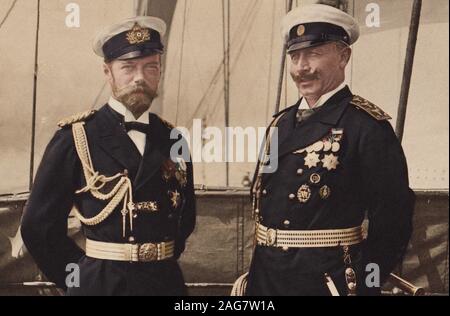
(107, 70)
(345, 57)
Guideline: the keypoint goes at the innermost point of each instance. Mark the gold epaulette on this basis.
(80, 117)
(370, 108)
(168, 124)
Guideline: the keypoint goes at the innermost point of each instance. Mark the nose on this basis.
(303, 63)
(139, 76)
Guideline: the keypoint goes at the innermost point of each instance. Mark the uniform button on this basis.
(261, 219)
(131, 239)
(166, 238)
(292, 196)
(264, 192)
(287, 223)
(300, 172)
(135, 216)
(257, 211)
(170, 216)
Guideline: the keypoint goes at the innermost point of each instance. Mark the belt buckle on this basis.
(148, 252)
(271, 238)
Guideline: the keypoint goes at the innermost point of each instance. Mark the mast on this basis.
(282, 67)
(407, 71)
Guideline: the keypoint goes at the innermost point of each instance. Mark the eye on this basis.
(294, 57)
(151, 67)
(314, 53)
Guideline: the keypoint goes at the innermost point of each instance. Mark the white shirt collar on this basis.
(121, 109)
(323, 99)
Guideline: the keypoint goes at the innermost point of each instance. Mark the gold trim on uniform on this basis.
(370, 108)
(144, 206)
(147, 252)
(76, 118)
(308, 238)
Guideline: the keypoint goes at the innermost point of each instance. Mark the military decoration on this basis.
(175, 198)
(330, 162)
(315, 178)
(304, 193)
(327, 146)
(335, 147)
(312, 159)
(177, 170)
(325, 192)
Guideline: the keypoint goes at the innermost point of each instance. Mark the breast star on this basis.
(330, 162)
(311, 160)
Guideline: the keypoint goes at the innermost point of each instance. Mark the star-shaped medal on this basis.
(175, 198)
(330, 162)
(311, 160)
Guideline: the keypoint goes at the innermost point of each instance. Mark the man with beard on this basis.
(338, 157)
(115, 169)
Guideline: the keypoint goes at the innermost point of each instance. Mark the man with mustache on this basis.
(338, 158)
(115, 168)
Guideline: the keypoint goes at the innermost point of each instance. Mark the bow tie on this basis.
(137, 126)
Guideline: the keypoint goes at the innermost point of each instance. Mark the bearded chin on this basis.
(137, 102)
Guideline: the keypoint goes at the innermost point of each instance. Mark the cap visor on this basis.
(304, 45)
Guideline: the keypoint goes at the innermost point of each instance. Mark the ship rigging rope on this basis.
(246, 23)
(251, 22)
(248, 18)
(226, 13)
(183, 38)
(269, 80)
(13, 4)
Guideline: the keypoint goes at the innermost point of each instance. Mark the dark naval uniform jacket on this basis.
(368, 174)
(44, 225)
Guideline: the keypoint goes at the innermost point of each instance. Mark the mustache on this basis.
(305, 76)
(133, 89)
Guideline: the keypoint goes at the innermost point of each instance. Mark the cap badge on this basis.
(301, 30)
(138, 35)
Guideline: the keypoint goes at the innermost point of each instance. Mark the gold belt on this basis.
(130, 252)
(308, 238)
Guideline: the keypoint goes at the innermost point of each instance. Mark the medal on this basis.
(311, 160)
(330, 162)
(304, 193)
(325, 192)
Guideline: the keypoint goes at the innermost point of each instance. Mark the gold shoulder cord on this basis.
(95, 182)
(240, 286)
(256, 188)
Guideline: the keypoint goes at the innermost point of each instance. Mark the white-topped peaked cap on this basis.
(132, 38)
(314, 24)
